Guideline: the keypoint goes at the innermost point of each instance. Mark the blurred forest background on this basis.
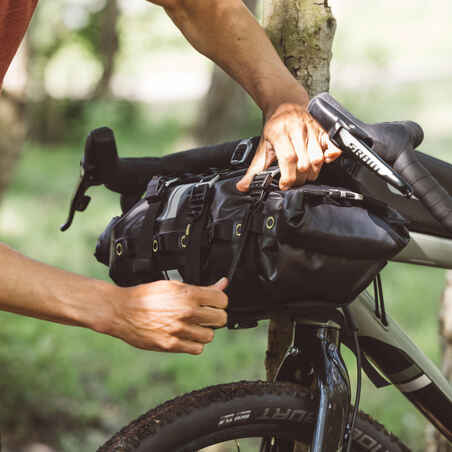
(122, 63)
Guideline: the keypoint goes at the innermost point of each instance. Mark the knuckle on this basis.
(166, 344)
(303, 167)
(222, 318)
(188, 291)
(188, 312)
(291, 157)
(317, 160)
(176, 328)
(289, 180)
(172, 344)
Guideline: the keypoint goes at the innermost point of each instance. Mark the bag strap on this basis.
(146, 245)
(259, 188)
(199, 202)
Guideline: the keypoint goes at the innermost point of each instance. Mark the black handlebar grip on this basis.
(426, 187)
(131, 175)
(120, 175)
(415, 132)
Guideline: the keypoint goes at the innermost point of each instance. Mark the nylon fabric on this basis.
(292, 246)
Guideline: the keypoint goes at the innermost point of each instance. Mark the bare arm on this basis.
(161, 316)
(227, 33)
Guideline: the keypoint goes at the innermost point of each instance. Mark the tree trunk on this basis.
(435, 442)
(302, 32)
(50, 120)
(107, 47)
(225, 107)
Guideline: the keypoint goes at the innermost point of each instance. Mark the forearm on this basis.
(163, 316)
(34, 289)
(227, 33)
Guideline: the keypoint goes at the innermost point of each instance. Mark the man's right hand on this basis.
(169, 316)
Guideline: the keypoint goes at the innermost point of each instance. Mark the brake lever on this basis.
(348, 136)
(344, 139)
(88, 178)
(80, 200)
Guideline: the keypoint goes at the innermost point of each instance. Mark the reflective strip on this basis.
(415, 385)
(410, 373)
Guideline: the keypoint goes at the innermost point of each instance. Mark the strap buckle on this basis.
(345, 194)
(155, 188)
(199, 194)
(243, 152)
(262, 181)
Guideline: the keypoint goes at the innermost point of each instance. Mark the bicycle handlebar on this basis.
(131, 175)
(386, 148)
(394, 143)
(431, 193)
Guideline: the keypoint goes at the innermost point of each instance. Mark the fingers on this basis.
(287, 161)
(208, 296)
(177, 345)
(221, 284)
(207, 316)
(264, 157)
(191, 332)
(299, 144)
(332, 152)
(315, 154)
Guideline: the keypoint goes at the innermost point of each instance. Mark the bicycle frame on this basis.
(315, 355)
(404, 365)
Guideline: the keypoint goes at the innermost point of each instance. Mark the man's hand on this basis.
(169, 316)
(293, 138)
(163, 316)
(227, 33)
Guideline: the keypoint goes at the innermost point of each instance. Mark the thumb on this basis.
(332, 152)
(243, 184)
(261, 161)
(221, 284)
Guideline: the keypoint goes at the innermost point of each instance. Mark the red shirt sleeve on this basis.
(15, 16)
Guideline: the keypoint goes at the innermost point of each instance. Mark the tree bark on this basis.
(107, 47)
(225, 107)
(435, 442)
(302, 32)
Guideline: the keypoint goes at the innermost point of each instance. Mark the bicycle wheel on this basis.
(236, 417)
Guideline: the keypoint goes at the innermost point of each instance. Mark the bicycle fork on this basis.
(314, 360)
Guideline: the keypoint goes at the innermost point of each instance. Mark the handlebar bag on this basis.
(309, 243)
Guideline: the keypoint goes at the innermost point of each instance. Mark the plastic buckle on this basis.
(345, 194)
(261, 182)
(155, 188)
(199, 195)
(242, 152)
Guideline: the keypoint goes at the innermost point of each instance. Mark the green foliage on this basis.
(73, 388)
(76, 387)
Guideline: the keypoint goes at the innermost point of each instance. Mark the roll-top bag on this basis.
(310, 243)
